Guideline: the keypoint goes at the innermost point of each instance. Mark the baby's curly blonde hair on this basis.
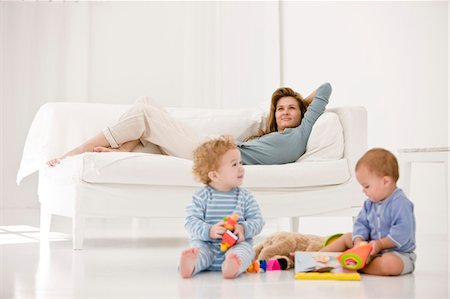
(208, 154)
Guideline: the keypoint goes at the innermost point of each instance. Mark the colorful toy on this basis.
(229, 238)
(230, 221)
(280, 245)
(273, 265)
(331, 239)
(357, 257)
(270, 265)
(257, 266)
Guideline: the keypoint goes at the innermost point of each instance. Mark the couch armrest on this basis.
(58, 127)
(354, 123)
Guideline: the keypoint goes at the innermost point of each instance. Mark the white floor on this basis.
(134, 259)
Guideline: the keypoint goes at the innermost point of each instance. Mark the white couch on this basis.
(140, 184)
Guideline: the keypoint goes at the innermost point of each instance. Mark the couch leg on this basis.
(294, 222)
(45, 222)
(77, 232)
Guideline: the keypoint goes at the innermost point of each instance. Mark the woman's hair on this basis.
(208, 154)
(381, 162)
(271, 124)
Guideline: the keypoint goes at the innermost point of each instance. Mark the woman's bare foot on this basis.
(78, 150)
(231, 265)
(187, 262)
(54, 162)
(97, 149)
(99, 144)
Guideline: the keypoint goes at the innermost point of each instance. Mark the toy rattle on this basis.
(229, 238)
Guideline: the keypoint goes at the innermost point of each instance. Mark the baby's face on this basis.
(231, 171)
(375, 187)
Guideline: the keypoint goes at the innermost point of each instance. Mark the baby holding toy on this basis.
(218, 164)
(386, 219)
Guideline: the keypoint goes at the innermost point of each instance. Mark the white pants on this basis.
(150, 123)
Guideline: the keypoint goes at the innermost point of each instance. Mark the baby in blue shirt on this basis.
(386, 219)
(218, 164)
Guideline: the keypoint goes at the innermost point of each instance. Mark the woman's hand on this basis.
(217, 230)
(309, 98)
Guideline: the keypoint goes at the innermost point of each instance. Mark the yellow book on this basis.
(321, 266)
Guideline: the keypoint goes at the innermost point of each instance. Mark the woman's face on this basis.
(287, 113)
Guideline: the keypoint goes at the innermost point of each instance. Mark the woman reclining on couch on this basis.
(283, 141)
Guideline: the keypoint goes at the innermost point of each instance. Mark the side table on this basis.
(428, 155)
(408, 156)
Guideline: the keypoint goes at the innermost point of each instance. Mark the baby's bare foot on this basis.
(231, 265)
(187, 262)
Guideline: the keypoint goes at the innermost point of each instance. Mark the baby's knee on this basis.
(391, 264)
(348, 237)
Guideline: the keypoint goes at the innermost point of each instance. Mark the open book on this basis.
(321, 265)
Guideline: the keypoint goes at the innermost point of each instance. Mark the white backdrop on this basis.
(390, 57)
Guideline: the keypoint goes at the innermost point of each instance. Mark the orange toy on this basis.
(230, 221)
(229, 238)
(357, 257)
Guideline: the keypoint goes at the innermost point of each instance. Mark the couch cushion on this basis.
(151, 169)
(326, 141)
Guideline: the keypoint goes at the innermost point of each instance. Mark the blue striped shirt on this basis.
(209, 206)
(392, 218)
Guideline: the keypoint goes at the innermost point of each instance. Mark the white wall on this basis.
(392, 58)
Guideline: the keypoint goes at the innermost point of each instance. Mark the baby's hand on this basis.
(376, 247)
(217, 230)
(239, 230)
(358, 241)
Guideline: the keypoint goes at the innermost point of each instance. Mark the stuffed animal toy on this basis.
(281, 244)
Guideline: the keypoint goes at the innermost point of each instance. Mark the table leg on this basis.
(405, 177)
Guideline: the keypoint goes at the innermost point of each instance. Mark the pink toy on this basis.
(273, 265)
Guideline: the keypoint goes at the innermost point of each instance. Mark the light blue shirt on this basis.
(392, 217)
(289, 145)
(209, 206)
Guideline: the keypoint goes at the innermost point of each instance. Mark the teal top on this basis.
(289, 145)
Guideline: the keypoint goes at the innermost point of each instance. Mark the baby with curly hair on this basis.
(218, 165)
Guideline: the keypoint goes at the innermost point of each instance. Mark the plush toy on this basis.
(281, 244)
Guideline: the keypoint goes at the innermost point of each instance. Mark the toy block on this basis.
(228, 240)
(273, 265)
